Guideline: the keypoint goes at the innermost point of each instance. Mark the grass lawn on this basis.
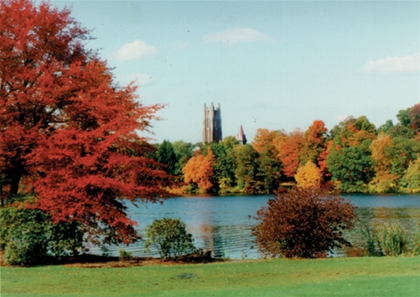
(385, 276)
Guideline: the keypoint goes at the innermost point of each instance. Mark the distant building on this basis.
(212, 124)
(241, 136)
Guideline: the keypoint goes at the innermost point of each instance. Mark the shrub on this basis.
(169, 237)
(371, 241)
(28, 237)
(125, 256)
(392, 240)
(303, 223)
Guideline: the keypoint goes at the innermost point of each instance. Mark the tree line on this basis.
(354, 156)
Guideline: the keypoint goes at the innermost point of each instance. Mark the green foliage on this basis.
(352, 167)
(303, 223)
(30, 238)
(412, 177)
(166, 155)
(247, 167)
(223, 166)
(405, 151)
(183, 151)
(400, 131)
(386, 127)
(392, 240)
(170, 238)
(269, 172)
(403, 117)
(125, 256)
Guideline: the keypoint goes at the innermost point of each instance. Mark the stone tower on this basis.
(212, 124)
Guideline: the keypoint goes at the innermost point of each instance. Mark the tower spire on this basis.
(241, 136)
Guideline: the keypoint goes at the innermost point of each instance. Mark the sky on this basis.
(269, 64)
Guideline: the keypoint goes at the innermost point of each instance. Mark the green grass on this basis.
(385, 276)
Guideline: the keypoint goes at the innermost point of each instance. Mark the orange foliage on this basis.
(382, 153)
(382, 149)
(289, 152)
(314, 143)
(198, 170)
(265, 137)
(309, 176)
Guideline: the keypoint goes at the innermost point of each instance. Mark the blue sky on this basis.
(270, 64)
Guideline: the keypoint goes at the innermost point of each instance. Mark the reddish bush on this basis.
(303, 223)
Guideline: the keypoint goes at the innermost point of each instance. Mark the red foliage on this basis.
(303, 223)
(68, 126)
(289, 153)
(322, 159)
(316, 133)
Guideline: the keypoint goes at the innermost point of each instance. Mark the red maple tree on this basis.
(68, 133)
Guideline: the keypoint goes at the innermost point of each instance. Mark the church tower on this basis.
(212, 124)
(241, 138)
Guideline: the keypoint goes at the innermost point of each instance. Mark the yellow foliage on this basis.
(382, 153)
(309, 176)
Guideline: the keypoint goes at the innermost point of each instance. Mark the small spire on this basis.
(241, 136)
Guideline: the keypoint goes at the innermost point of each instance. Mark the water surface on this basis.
(223, 223)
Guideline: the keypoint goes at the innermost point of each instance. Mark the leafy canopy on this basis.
(69, 134)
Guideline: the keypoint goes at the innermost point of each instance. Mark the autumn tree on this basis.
(352, 131)
(303, 223)
(309, 176)
(68, 133)
(198, 171)
(264, 138)
(314, 143)
(350, 159)
(289, 151)
(382, 152)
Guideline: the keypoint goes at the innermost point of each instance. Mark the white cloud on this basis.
(135, 50)
(140, 78)
(235, 35)
(405, 64)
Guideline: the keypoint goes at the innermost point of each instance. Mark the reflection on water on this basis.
(223, 224)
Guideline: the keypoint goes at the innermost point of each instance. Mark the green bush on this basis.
(392, 240)
(170, 238)
(371, 240)
(28, 237)
(125, 256)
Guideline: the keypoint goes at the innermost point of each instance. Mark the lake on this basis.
(223, 224)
